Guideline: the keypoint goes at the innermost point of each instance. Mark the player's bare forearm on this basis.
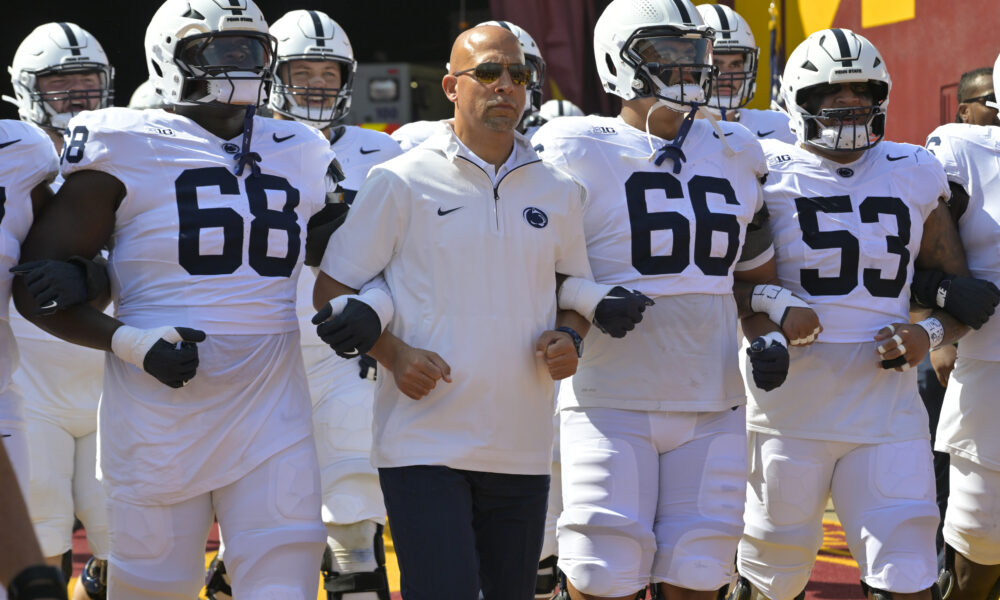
(573, 320)
(78, 221)
(83, 325)
(745, 281)
(386, 349)
(941, 247)
(756, 325)
(328, 288)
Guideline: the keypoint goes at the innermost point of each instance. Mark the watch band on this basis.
(577, 340)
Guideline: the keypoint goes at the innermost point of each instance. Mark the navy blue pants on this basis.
(456, 532)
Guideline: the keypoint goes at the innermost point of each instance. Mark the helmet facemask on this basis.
(735, 89)
(844, 129)
(671, 64)
(226, 67)
(72, 101)
(318, 107)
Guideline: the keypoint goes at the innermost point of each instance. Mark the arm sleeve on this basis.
(370, 236)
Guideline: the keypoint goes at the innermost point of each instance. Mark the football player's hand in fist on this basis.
(559, 352)
(348, 325)
(170, 354)
(769, 360)
(620, 310)
(901, 345)
(417, 371)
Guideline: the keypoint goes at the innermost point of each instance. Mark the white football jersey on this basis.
(673, 237)
(971, 158)
(358, 150)
(193, 243)
(27, 159)
(767, 124)
(846, 235)
(413, 134)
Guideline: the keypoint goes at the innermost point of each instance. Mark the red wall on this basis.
(927, 55)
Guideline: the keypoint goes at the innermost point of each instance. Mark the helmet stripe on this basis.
(723, 22)
(319, 28)
(238, 10)
(505, 25)
(74, 45)
(845, 48)
(685, 15)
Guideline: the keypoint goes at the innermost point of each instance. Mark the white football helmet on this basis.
(655, 48)
(732, 36)
(58, 48)
(553, 109)
(996, 85)
(144, 97)
(312, 35)
(818, 66)
(210, 52)
(533, 58)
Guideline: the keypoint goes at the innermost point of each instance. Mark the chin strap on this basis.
(673, 149)
(245, 156)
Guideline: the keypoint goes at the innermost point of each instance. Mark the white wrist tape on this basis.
(131, 344)
(775, 301)
(377, 299)
(582, 295)
(775, 337)
(934, 329)
(381, 303)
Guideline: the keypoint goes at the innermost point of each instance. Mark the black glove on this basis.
(354, 331)
(769, 362)
(968, 299)
(620, 310)
(173, 365)
(369, 367)
(58, 284)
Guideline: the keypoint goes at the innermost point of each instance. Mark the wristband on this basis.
(774, 337)
(582, 295)
(934, 329)
(131, 344)
(775, 301)
(379, 301)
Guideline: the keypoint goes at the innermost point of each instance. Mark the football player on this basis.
(314, 76)
(58, 70)
(144, 97)
(28, 163)
(413, 134)
(737, 56)
(852, 217)
(204, 207)
(653, 441)
(966, 430)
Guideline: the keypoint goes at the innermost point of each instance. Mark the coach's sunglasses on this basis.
(488, 72)
(981, 99)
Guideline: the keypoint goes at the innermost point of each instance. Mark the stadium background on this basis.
(926, 45)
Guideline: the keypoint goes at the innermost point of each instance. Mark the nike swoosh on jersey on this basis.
(274, 136)
(764, 133)
(5, 144)
(891, 158)
(363, 151)
(450, 210)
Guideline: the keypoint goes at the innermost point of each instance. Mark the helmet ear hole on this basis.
(611, 65)
(156, 67)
